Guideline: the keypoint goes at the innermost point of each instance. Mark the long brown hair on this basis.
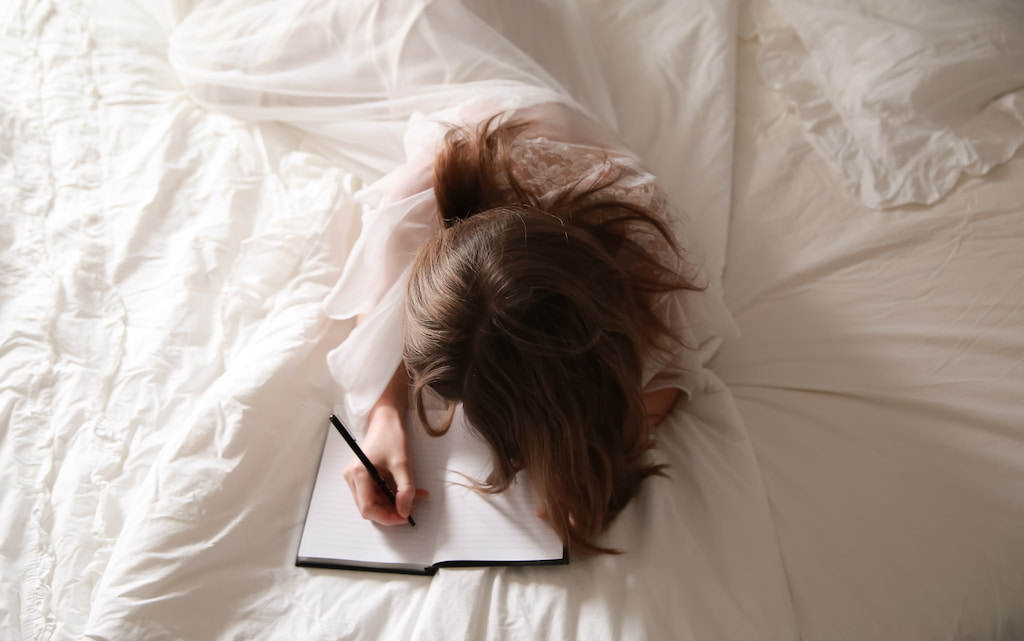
(537, 317)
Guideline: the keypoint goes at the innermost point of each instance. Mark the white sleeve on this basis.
(399, 214)
(701, 320)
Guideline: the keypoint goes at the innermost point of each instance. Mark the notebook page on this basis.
(489, 527)
(334, 529)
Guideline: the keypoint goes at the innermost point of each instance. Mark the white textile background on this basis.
(165, 387)
(880, 373)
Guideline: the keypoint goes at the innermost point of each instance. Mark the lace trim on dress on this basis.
(547, 167)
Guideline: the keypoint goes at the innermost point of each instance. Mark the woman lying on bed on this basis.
(546, 296)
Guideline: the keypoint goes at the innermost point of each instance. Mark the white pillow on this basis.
(901, 95)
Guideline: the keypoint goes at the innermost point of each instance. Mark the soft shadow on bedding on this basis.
(880, 377)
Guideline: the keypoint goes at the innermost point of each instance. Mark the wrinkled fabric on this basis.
(880, 373)
(901, 98)
(165, 258)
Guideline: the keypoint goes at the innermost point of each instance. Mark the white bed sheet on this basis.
(880, 373)
(165, 384)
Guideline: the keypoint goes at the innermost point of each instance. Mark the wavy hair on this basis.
(537, 318)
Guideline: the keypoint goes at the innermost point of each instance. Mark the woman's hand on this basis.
(384, 445)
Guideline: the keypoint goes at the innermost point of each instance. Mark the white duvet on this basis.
(165, 380)
(880, 374)
(164, 258)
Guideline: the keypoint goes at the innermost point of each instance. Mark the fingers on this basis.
(373, 504)
(383, 513)
(371, 501)
(405, 491)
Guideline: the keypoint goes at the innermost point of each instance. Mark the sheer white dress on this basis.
(379, 84)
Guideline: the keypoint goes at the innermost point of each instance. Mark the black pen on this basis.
(374, 474)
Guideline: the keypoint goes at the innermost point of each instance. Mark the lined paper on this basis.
(335, 530)
(498, 527)
(454, 523)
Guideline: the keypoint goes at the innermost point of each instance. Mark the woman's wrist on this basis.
(383, 415)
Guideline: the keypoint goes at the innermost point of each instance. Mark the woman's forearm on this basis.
(395, 397)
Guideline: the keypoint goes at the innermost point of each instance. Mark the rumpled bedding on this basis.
(164, 352)
(901, 98)
(151, 255)
(849, 467)
(880, 374)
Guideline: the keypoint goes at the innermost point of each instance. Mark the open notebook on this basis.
(455, 526)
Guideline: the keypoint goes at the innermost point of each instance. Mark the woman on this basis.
(539, 303)
(521, 264)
